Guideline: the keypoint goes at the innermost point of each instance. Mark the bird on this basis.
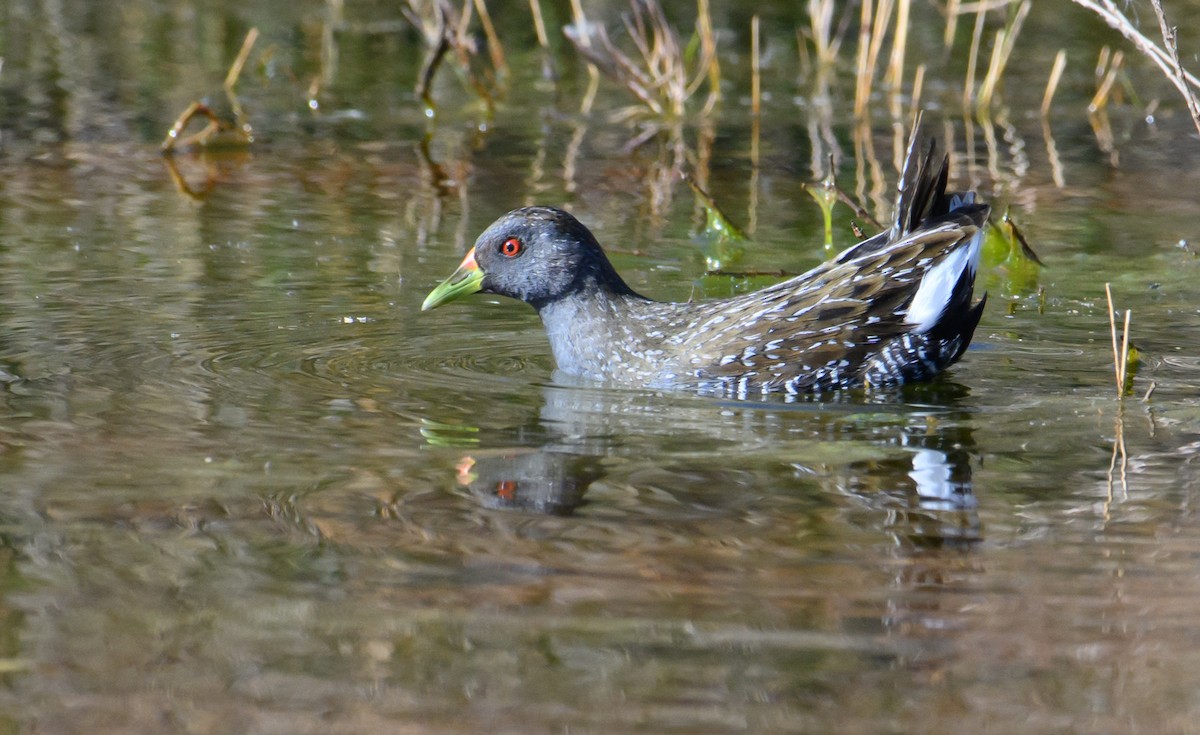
(893, 309)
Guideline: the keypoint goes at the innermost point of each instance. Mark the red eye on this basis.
(511, 247)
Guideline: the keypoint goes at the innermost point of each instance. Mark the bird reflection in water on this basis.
(545, 480)
(920, 480)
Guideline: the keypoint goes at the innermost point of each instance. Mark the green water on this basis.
(245, 485)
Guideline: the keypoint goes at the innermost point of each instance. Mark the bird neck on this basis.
(596, 332)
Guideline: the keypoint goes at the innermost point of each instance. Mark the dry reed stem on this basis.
(539, 24)
(895, 72)
(864, 45)
(1107, 78)
(1125, 349)
(973, 61)
(1005, 41)
(755, 69)
(883, 17)
(708, 47)
(987, 86)
(1056, 72)
(952, 13)
(820, 18)
(1121, 352)
(917, 88)
(235, 70)
(580, 21)
(495, 49)
(539, 29)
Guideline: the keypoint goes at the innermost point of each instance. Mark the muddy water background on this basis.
(243, 480)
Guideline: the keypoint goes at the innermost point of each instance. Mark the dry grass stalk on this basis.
(495, 49)
(659, 77)
(1121, 353)
(1006, 38)
(873, 32)
(539, 28)
(973, 61)
(1106, 72)
(820, 19)
(1167, 60)
(918, 87)
(235, 70)
(863, 86)
(952, 13)
(755, 69)
(585, 39)
(895, 71)
(1060, 63)
(539, 24)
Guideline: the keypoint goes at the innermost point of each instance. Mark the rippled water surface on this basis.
(246, 485)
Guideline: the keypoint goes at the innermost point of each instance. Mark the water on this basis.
(246, 481)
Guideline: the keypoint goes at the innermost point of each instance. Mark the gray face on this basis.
(539, 255)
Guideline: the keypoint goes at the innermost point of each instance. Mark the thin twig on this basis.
(1169, 40)
(1183, 80)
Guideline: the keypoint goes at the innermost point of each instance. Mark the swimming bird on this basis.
(892, 309)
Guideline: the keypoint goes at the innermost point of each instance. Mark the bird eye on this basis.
(511, 247)
(506, 489)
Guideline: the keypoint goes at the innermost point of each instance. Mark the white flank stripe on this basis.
(933, 295)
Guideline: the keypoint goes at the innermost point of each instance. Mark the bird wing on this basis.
(821, 327)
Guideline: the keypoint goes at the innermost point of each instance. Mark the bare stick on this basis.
(235, 70)
(1112, 15)
(972, 61)
(1169, 40)
(1060, 63)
